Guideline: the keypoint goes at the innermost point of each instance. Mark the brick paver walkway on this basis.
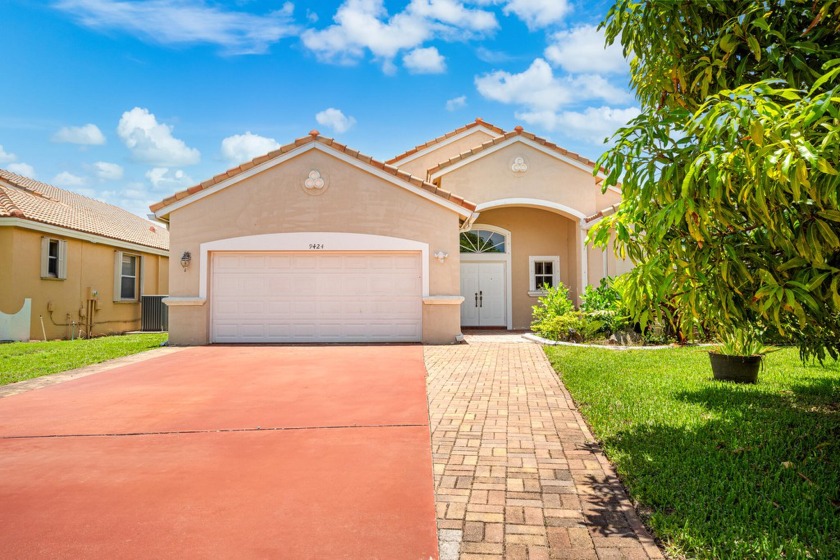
(517, 473)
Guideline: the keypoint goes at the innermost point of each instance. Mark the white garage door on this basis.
(323, 297)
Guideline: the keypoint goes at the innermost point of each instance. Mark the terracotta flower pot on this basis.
(740, 369)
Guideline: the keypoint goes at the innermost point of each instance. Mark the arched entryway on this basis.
(544, 246)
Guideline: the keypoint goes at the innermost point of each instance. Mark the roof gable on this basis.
(517, 135)
(28, 199)
(449, 137)
(314, 141)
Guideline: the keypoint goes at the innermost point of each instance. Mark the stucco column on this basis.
(582, 262)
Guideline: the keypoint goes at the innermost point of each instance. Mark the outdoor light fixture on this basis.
(185, 260)
(441, 256)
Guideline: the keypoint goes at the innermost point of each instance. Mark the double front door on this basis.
(483, 285)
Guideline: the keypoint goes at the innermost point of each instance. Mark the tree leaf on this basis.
(757, 132)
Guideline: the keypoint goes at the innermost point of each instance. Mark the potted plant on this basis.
(739, 357)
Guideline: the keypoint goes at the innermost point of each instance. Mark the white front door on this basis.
(483, 288)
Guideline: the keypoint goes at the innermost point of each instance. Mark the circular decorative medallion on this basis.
(519, 166)
(314, 183)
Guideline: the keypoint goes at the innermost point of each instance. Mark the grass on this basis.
(26, 360)
(719, 470)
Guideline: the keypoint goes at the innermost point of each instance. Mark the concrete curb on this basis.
(61, 377)
(547, 342)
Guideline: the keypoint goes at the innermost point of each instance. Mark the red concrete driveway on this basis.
(224, 452)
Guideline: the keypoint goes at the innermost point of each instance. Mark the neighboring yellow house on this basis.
(77, 265)
(315, 242)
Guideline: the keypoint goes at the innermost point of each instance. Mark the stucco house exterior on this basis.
(315, 242)
(79, 264)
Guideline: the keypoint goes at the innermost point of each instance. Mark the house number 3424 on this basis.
(316, 245)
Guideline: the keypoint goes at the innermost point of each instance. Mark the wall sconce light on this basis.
(185, 260)
(441, 256)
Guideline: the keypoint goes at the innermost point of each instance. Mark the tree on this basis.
(729, 176)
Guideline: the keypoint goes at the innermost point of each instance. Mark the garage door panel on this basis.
(324, 297)
(279, 262)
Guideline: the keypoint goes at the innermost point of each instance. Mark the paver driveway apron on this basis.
(224, 452)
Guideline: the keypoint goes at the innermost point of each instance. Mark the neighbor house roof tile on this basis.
(439, 139)
(518, 131)
(22, 197)
(314, 136)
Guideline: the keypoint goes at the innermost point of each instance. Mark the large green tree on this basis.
(730, 174)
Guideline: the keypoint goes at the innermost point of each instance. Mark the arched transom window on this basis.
(482, 241)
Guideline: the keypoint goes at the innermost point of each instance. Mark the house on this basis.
(315, 242)
(77, 265)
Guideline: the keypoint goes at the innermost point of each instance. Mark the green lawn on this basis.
(719, 470)
(25, 360)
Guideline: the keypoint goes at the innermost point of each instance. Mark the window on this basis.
(53, 258)
(545, 271)
(127, 276)
(482, 241)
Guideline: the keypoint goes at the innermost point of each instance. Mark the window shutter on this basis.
(141, 262)
(62, 259)
(117, 274)
(45, 257)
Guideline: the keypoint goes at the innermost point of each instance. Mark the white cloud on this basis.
(454, 13)
(538, 13)
(178, 22)
(6, 157)
(492, 57)
(22, 169)
(425, 61)
(593, 125)
(108, 171)
(165, 179)
(335, 119)
(86, 135)
(365, 25)
(359, 26)
(67, 180)
(245, 147)
(538, 89)
(134, 197)
(583, 49)
(456, 103)
(152, 142)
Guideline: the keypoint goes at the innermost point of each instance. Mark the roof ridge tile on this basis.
(477, 122)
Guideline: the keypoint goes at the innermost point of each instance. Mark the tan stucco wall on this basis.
(89, 265)
(274, 201)
(534, 233)
(442, 152)
(615, 266)
(491, 178)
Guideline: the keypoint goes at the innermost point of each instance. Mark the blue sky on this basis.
(129, 101)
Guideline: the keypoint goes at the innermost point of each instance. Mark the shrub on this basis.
(555, 317)
(573, 326)
(603, 304)
(554, 303)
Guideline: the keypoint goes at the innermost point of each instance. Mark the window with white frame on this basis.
(544, 271)
(53, 258)
(127, 269)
